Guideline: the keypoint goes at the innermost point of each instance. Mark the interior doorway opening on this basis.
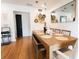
(22, 24)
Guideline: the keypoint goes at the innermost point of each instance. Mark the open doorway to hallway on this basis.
(22, 24)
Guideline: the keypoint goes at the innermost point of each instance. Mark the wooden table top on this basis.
(53, 40)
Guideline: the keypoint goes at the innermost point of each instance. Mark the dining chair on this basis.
(66, 32)
(69, 54)
(39, 48)
(57, 30)
(52, 29)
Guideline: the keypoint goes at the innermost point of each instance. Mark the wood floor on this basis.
(21, 49)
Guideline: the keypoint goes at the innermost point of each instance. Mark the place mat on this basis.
(61, 38)
(46, 36)
(57, 34)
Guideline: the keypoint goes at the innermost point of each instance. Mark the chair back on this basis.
(57, 30)
(66, 32)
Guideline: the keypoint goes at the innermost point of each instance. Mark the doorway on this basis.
(18, 25)
(22, 24)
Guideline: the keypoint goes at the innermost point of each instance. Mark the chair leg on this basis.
(40, 55)
(55, 55)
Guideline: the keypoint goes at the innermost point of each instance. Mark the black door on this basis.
(18, 25)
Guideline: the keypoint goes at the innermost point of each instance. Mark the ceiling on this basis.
(49, 3)
(68, 8)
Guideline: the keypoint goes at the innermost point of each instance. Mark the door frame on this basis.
(19, 12)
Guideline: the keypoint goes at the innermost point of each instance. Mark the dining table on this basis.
(54, 42)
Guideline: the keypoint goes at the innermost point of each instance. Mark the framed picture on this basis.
(53, 19)
(63, 18)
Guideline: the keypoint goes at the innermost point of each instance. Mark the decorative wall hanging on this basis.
(40, 18)
(53, 19)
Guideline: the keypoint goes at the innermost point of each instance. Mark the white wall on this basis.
(8, 16)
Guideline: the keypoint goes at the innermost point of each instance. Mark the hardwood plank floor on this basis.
(21, 49)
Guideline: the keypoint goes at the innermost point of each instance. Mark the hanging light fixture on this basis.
(41, 12)
(44, 6)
